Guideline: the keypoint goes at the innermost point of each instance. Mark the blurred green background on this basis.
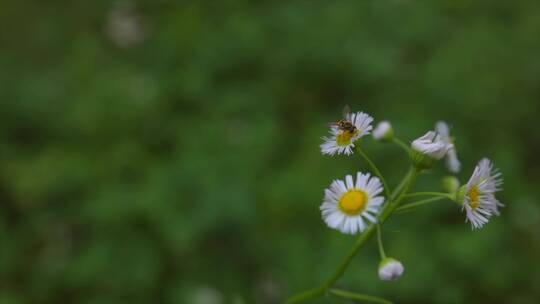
(167, 151)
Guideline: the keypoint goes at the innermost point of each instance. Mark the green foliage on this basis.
(182, 166)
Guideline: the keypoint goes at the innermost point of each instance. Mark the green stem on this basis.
(419, 203)
(390, 208)
(358, 297)
(376, 170)
(401, 144)
(314, 293)
(438, 194)
(308, 295)
(398, 189)
(379, 240)
(387, 211)
(366, 235)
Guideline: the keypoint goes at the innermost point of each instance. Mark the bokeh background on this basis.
(167, 151)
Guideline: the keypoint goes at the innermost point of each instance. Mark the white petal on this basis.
(376, 201)
(370, 217)
(452, 162)
(360, 223)
(350, 183)
(442, 128)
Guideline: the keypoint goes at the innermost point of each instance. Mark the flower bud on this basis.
(428, 149)
(383, 131)
(390, 269)
(450, 184)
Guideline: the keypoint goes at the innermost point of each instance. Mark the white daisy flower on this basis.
(452, 162)
(383, 131)
(349, 207)
(478, 195)
(390, 269)
(431, 145)
(341, 141)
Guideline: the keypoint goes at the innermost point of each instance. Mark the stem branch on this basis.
(358, 297)
(438, 194)
(419, 203)
(376, 170)
(402, 145)
(398, 189)
(379, 240)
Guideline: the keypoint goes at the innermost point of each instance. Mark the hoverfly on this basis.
(345, 124)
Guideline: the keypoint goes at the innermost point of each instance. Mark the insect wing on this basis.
(346, 112)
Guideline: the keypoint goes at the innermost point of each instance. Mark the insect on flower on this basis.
(345, 132)
(346, 124)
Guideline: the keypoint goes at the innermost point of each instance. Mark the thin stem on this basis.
(314, 293)
(376, 170)
(398, 189)
(419, 203)
(358, 297)
(390, 208)
(364, 237)
(379, 240)
(439, 194)
(401, 144)
(308, 295)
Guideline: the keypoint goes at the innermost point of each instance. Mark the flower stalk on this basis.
(357, 297)
(410, 206)
(375, 169)
(379, 241)
(438, 194)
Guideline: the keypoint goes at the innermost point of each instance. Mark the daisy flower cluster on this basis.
(350, 206)
(362, 202)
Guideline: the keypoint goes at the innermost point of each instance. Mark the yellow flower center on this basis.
(344, 139)
(474, 196)
(353, 202)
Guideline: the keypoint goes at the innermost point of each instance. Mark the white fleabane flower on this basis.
(341, 140)
(431, 145)
(390, 269)
(478, 195)
(427, 149)
(383, 131)
(452, 162)
(349, 206)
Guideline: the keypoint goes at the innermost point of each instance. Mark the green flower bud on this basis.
(450, 184)
(421, 160)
